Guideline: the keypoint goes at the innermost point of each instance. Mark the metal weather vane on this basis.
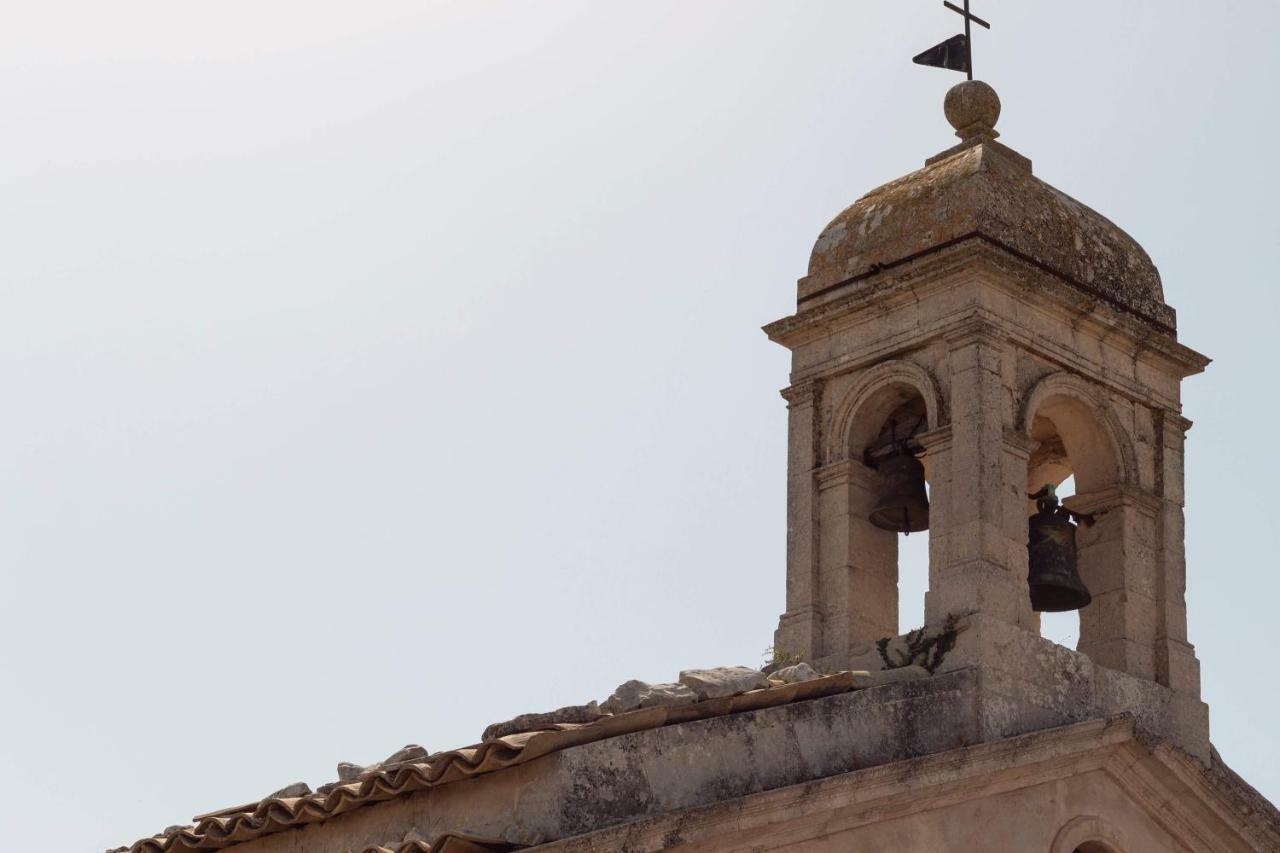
(956, 53)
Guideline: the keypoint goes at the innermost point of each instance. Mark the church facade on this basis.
(967, 339)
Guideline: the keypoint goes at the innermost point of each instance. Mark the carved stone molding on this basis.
(802, 394)
(978, 327)
(846, 472)
(1088, 395)
(1020, 443)
(935, 440)
(1114, 497)
(871, 382)
(1085, 829)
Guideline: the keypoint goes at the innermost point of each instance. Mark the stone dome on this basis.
(983, 190)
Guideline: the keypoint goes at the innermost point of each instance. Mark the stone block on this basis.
(1119, 613)
(1031, 683)
(1123, 655)
(794, 674)
(297, 789)
(411, 752)
(538, 721)
(723, 681)
(348, 772)
(889, 676)
(640, 694)
(798, 634)
(1177, 667)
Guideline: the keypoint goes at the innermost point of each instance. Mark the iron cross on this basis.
(956, 53)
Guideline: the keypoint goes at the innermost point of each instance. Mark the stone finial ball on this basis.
(972, 106)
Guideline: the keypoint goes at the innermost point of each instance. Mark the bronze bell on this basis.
(1051, 558)
(903, 506)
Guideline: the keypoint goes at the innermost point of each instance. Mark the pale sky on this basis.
(376, 371)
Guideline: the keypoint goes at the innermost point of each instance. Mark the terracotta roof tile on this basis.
(225, 827)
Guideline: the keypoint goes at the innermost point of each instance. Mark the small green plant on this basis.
(923, 649)
(776, 658)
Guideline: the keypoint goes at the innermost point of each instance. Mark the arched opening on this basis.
(1076, 456)
(889, 426)
(870, 448)
(1095, 847)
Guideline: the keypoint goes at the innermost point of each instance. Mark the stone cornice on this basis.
(970, 320)
(1160, 318)
(907, 283)
(975, 326)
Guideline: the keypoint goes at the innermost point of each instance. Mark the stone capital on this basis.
(805, 393)
(935, 440)
(846, 472)
(1178, 422)
(1019, 443)
(977, 328)
(1115, 497)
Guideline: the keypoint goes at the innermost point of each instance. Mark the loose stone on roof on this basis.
(297, 789)
(794, 674)
(723, 681)
(641, 694)
(535, 722)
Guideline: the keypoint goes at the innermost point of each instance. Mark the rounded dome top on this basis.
(982, 190)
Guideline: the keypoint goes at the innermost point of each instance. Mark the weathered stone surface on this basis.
(894, 651)
(297, 789)
(795, 673)
(667, 695)
(641, 694)
(348, 772)
(723, 681)
(935, 303)
(972, 107)
(351, 772)
(889, 676)
(627, 696)
(666, 769)
(987, 190)
(412, 752)
(1046, 791)
(866, 661)
(1031, 683)
(534, 722)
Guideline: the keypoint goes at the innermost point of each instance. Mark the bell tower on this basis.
(1006, 336)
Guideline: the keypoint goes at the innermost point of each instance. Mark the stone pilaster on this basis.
(800, 628)
(1175, 658)
(977, 553)
(1118, 562)
(858, 561)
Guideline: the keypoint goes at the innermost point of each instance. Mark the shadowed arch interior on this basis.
(1075, 439)
(1072, 440)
